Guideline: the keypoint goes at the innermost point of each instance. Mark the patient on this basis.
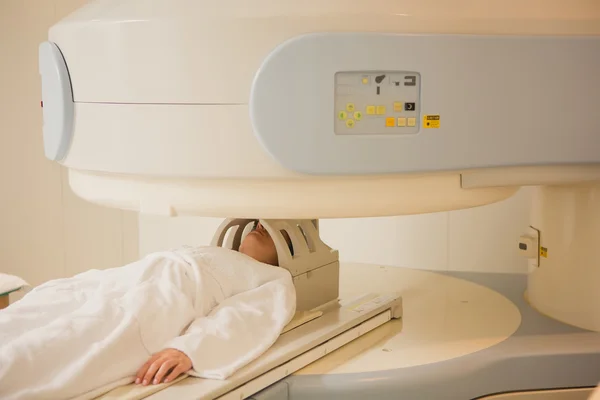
(170, 363)
(205, 311)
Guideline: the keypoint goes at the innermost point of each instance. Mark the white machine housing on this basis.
(185, 107)
(305, 110)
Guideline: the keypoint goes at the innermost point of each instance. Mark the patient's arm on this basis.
(167, 364)
(239, 330)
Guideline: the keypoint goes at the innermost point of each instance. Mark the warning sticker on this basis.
(544, 252)
(431, 121)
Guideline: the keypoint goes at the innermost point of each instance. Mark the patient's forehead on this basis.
(285, 235)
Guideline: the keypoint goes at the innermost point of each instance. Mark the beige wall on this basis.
(480, 239)
(46, 232)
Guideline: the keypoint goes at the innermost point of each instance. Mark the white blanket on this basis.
(83, 336)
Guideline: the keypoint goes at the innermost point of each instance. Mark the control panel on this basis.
(377, 103)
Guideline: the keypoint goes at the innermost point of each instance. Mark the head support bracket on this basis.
(313, 265)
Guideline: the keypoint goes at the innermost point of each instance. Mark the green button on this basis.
(342, 115)
(358, 115)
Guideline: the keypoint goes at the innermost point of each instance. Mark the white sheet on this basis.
(10, 283)
(83, 336)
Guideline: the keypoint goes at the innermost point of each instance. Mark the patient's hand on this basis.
(167, 364)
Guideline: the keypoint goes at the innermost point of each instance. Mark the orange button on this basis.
(391, 121)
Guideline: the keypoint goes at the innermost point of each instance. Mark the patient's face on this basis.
(259, 245)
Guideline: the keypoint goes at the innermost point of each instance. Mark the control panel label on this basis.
(431, 121)
(377, 103)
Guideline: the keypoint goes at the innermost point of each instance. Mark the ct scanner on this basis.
(290, 112)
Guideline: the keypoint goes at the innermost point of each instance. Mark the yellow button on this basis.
(350, 107)
(391, 121)
(342, 115)
(350, 123)
(365, 80)
(358, 115)
(402, 121)
(371, 110)
(412, 121)
(397, 107)
(380, 110)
